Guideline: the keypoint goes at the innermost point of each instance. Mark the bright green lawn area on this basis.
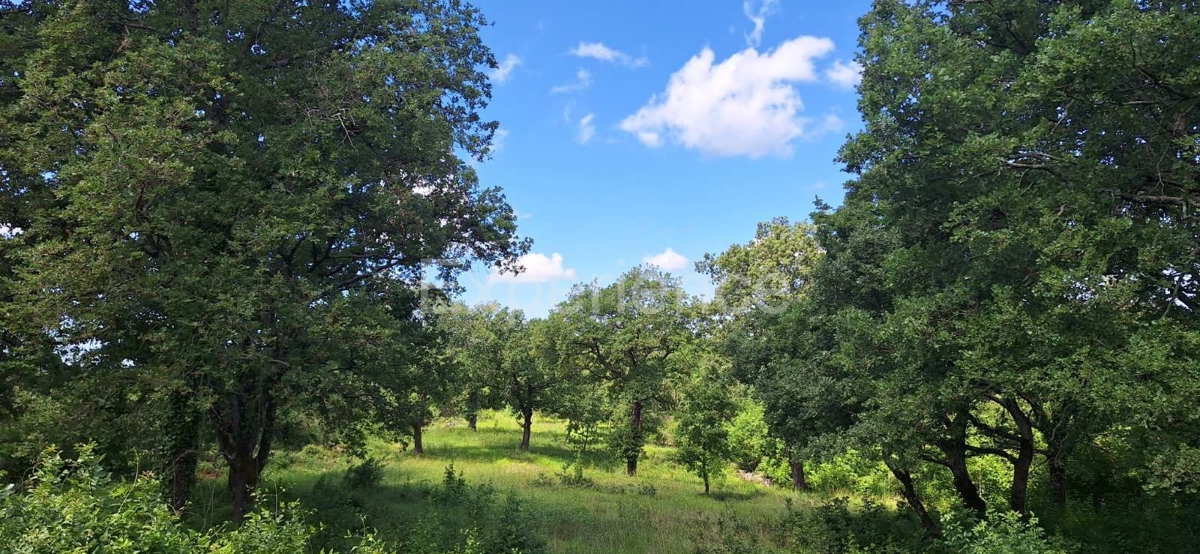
(619, 517)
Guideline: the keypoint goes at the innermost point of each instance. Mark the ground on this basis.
(662, 510)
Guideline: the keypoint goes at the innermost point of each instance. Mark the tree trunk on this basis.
(631, 457)
(706, 488)
(418, 447)
(799, 483)
(914, 501)
(245, 444)
(1059, 444)
(1018, 498)
(473, 421)
(1058, 479)
(183, 431)
(963, 484)
(526, 429)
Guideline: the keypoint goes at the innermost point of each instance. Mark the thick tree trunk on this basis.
(245, 444)
(799, 483)
(964, 485)
(631, 458)
(1018, 498)
(418, 446)
(914, 501)
(526, 429)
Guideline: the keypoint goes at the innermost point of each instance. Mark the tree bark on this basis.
(799, 483)
(244, 437)
(631, 458)
(418, 446)
(526, 428)
(1018, 497)
(706, 488)
(964, 485)
(473, 421)
(914, 501)
(954, 447)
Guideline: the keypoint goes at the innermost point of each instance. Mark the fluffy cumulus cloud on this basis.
(746, 105)
(505, 69)
(844, 74)
(587, 129)
(600, 51)
(583, 80)
(668, 260)
(538, 269)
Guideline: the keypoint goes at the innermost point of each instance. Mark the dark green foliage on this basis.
(365, 475)
(228, 211)
(835, 527)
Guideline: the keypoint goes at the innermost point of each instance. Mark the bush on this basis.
(833, 527)
(749, 440)
(364, 476)
(75, 506)
(1002, 533)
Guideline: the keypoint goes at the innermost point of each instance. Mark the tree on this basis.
(234, 186)
(756, 282)
(626, 335)
(704, 415)
(478, 338)
(1035, 163)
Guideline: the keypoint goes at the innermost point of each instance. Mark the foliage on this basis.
(704, 414)
(225, 215)
(365, 475)
(1004, 533)
(626, 335)
(75, 506)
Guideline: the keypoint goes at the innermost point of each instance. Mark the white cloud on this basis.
(587, 128)
(668, 260)
(746, 105)
(538, 269)
(583, 80)
(600, 51)
(505, 69)
(498, 140)
(759, 18)
(844, 74)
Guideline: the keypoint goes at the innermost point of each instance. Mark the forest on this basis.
(233, 237)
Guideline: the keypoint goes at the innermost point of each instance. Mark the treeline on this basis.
(217, 221)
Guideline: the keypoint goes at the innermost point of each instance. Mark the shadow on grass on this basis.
(724, 496)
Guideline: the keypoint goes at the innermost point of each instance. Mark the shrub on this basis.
(364, 476)
(1001, 533)
(75, 506)
(833, 527)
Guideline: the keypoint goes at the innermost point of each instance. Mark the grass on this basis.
(662, 510)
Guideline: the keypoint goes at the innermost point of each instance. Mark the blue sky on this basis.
(632, 127)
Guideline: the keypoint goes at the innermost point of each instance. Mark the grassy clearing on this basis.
(662, 510)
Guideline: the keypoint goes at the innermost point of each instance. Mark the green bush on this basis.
(75, 506)
(364, 476)
(834, 527)
(749, 440)
(1001, 533)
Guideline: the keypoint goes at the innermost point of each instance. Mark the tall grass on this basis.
(662, 510)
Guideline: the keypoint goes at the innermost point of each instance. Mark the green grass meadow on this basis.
(662, 510)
